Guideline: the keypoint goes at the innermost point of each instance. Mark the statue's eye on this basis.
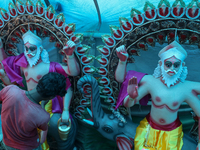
(26, 48)
(32, 48)
(107, 129)
(176, 64)
(168, 64)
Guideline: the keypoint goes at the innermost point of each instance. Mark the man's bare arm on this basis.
(43, 135)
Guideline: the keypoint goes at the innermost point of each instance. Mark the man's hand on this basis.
(43, 135)
(69, 48)
(132, 88)
(122, 53)
(198, 146)
(65, 116)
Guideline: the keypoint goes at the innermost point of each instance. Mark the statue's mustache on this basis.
(169, 70)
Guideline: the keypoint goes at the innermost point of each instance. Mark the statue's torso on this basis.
(166, 101)
(35, 73)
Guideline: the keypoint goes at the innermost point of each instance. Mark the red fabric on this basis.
(12, 66)
(168, 127)
(21, 118)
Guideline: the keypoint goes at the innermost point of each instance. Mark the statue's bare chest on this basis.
(163, 96)
(35, 73)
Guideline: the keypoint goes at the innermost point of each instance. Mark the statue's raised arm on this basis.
(72, 67)
(2, 52)
(121, 67)
(3, 75)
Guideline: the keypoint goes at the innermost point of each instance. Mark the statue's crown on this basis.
(173, 49)
(31, 38)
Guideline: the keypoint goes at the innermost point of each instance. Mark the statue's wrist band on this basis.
(65, 109)
(122, 62)
(131, 98)
(70, 56)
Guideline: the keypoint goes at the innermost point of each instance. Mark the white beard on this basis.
(45, 56)
(33, 61)
(171, 80)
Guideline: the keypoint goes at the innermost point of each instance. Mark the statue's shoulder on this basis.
(192, 84)
(148, 77)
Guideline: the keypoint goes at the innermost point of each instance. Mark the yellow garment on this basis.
(151, 139)
(48, 108)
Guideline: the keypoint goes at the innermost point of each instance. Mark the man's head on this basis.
(171, 64)
(33, 49)
(52, 84)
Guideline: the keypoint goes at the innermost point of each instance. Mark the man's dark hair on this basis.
(52, 84)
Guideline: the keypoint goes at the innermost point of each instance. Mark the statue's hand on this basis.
(65, 116)
(122, 53)
(132, 88)
(69, 48)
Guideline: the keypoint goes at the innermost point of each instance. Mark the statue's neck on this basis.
(163, 81)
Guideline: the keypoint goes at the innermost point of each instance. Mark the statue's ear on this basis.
(160, 62)
(183, 64)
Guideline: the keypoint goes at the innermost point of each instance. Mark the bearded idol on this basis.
(172, 73)
(33, 49)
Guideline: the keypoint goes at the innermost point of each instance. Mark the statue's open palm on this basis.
(132, 88)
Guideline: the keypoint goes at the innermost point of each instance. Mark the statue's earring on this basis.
(160, 62)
